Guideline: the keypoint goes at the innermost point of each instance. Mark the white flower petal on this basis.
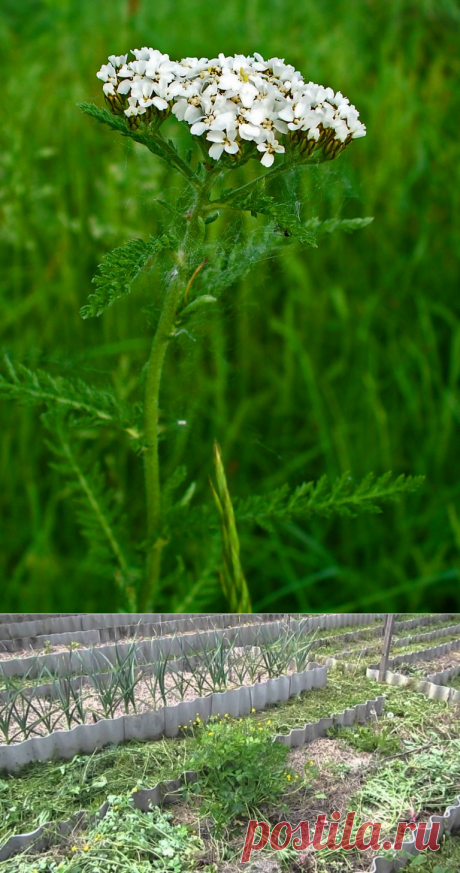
(215, 151)
(179, 109)
(236, 97)
(159, 103)
(125, 86)
(280, 126)
(249, 131)
(216, 136)
(192, 113)
(267, 159)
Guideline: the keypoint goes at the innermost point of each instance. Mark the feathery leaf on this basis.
(164, 149)
(332, 224)
(119, 269)
(91, 406)
(343, 497)
(98, 513)
(257, 202)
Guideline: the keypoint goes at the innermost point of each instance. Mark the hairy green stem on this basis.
(193, 235)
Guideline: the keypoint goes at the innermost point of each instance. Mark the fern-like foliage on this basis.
(153, 140)
(257, 202)
(84, 404)
(229, 262)
(98, 513)
(343, 497)
(197, 588)
(332, 224)
(119, 269)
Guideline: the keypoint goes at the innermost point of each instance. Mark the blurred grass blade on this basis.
(232, 578)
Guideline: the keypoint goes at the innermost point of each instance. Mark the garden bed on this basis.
(364, 658)
(333, 773)
(381, 735)
(164, 637)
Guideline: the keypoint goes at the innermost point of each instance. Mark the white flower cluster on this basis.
(240, 105)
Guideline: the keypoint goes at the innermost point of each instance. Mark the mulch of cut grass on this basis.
(53, 791)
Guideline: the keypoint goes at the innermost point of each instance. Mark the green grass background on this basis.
(342, 358)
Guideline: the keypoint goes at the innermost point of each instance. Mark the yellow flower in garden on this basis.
(209, 733)
(252, 710)
(226, 715)
(73, 849)
(269, 721)
(86, 848)
(288, 777)
(134, 790)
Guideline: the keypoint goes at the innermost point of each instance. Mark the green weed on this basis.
(240, 769)
(365, 739)
(125, 840)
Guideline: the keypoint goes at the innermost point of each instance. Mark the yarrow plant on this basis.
(236, 109)
(236, 105)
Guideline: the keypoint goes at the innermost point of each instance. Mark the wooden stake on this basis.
(387, 634)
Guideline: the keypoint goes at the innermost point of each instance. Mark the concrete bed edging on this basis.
(113, 634)
(166, 791)
(66, 663)
(18, 617)
(48, 689)
(433, 689)
(444, 676)
(422, 655)
(79, 621)
(378, 632)
(175, 665)
(449, 824)
(61, 663)
(399, 626)
(106, 624)
(85, 739)
(373, 670)
(336, 660)
(98, 628)
(105, 621)
(152, 630)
